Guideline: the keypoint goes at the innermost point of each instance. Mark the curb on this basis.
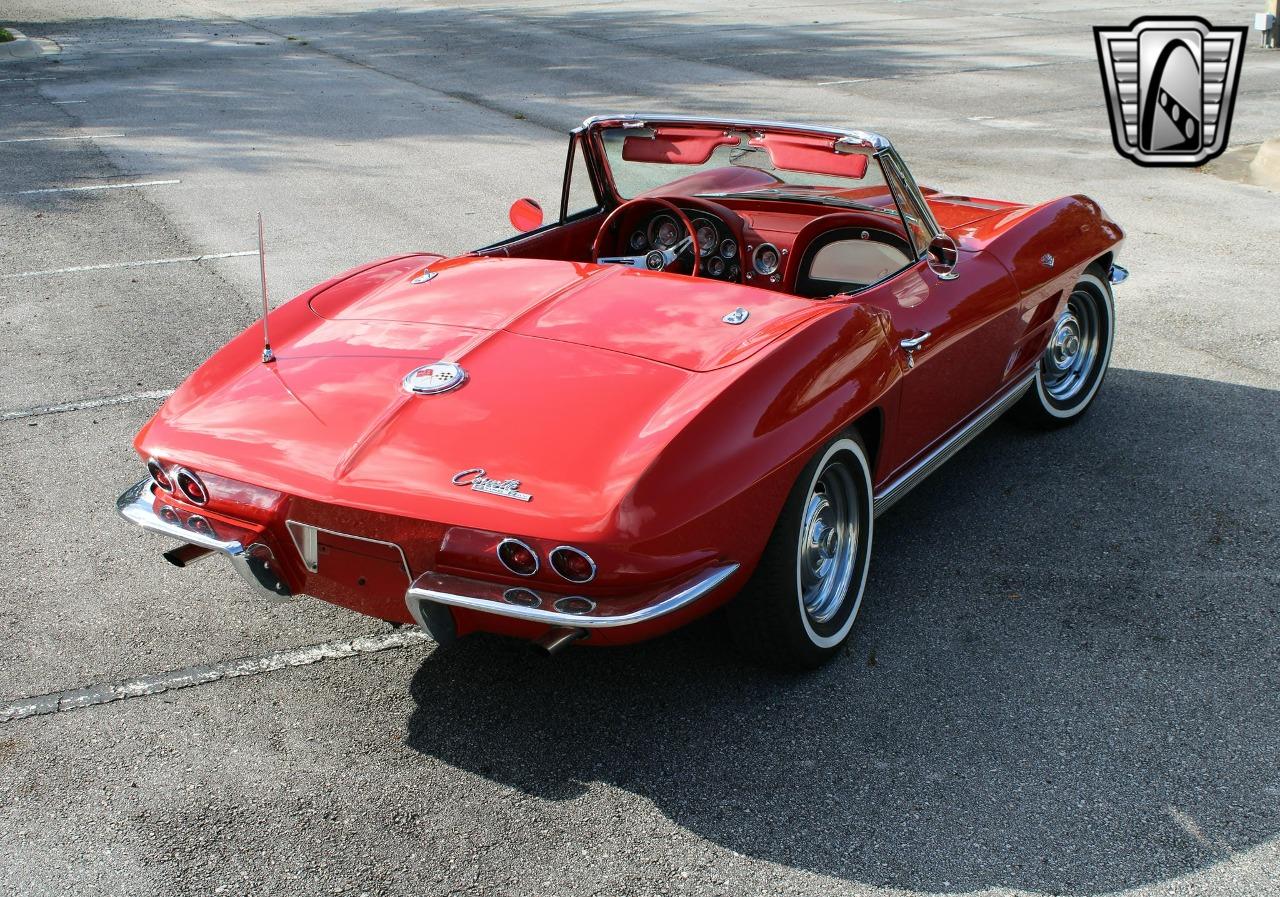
(1264, 170)
(21, 47)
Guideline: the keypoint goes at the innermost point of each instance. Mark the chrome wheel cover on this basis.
(829, 533)
(1074, 348)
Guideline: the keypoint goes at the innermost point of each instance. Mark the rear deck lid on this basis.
(668, 318)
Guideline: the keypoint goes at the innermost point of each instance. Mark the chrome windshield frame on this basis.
(850, 140)
(896, 175)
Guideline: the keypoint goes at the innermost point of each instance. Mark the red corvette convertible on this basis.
(737, 344)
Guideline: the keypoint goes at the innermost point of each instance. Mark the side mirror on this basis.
(943, 254)
(525, 215)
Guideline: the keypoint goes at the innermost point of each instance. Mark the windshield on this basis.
(714, 162)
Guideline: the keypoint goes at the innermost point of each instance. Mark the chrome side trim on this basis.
(670, 601)
(907, 481)
(1118, 274)
(253, 562)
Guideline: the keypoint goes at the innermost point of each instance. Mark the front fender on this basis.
(1072, 231)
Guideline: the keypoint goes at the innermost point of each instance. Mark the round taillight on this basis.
(518, 557)
(576, 605)
(198, 524)
(169, 515)
(191, 486)
(573, 564)
(159, 475)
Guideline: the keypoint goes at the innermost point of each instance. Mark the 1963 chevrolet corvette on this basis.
(737, 344)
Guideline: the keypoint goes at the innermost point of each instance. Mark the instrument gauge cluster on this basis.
(719, 255)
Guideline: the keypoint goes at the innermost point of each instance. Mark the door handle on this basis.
(910, 345)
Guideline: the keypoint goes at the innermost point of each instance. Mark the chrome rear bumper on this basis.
(431, 591)
(255, 563)
(490, 598)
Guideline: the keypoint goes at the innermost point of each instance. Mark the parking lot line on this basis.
(85, 404)
(139, 264)
(74, 137)
(200, 674)
(90, 187)
(39, 103)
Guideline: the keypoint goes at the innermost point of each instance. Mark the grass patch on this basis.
(5, 36)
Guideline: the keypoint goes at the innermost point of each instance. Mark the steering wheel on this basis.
(654, 259)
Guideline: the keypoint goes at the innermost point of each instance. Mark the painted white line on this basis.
(846, 81)
(83, 404)
(37, 103)
(91, 187)
(141, 264)
(107, 692)
(27, 79)
(76, 137)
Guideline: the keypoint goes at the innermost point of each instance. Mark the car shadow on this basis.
(1064, 678)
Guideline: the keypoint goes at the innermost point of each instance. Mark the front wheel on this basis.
(1074, 363)
(801, 602)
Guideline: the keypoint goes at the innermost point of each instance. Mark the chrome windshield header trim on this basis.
(848, 138)
(423, 591)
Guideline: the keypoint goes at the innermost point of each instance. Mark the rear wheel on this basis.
(1075, 362)
(800, 604)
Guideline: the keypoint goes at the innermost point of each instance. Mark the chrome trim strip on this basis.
(302, 541)
(135, 506)
(904, 483)
(865, 139)
(1117, 274)
(671, 601)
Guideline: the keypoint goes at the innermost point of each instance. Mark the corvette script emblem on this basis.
(476, 479)
(1171, 85)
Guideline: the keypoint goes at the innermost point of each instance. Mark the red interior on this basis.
(789, 226)
(812, 154)
(686, 146)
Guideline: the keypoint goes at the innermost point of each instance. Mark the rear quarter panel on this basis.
(721, 482)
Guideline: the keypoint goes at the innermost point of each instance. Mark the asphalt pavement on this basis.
(1067, 675)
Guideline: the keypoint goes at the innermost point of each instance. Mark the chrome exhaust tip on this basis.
(559, 638)
(186, 555)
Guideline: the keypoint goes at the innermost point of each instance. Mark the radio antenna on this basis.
(267, 355)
